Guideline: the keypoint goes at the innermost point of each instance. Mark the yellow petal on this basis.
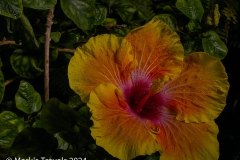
(199, 93)
(188, 141)
(157, 49)
(104, 58)
(115, 127)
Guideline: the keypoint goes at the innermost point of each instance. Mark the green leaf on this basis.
(127, 10)
(70, 39)
(33, 142)
(213, 45)
(11, 8)
(214, 16)
(25, 65)
(55, 36)
(29, 29)
(62, 144)
(122, 31)
(100, 15)
(75, 101)
(10, 126)
(144, 9)
(168, 19)
(109, 22)
(83, 13)
(193, 26)
(2, 86)
(27, 99)
(39, 4)
(57, 117)
(193, 9)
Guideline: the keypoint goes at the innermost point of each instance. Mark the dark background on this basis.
(229, 120)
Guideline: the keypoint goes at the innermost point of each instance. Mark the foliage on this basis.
(60, 127)
(212, 44)
(10, 126)
(27, 99)
(192, 9)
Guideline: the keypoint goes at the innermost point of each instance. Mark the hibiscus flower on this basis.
(146, 96)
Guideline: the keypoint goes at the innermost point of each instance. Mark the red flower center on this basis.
(142, 100)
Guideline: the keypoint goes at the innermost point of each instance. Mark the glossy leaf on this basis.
(10, 126)
(25, 65)
(33, 142)
(29, 30)
(83, 13)
(56, 117)
(11, 8)
(39, 4)
(27, 98)
(128, 9)
(213, 45)
(193, 9)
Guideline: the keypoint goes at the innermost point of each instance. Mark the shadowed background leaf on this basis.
(33, 142)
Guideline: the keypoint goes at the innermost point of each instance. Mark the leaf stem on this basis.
(9, 81)
(7, 42)
(67, 50)
(46, 54)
